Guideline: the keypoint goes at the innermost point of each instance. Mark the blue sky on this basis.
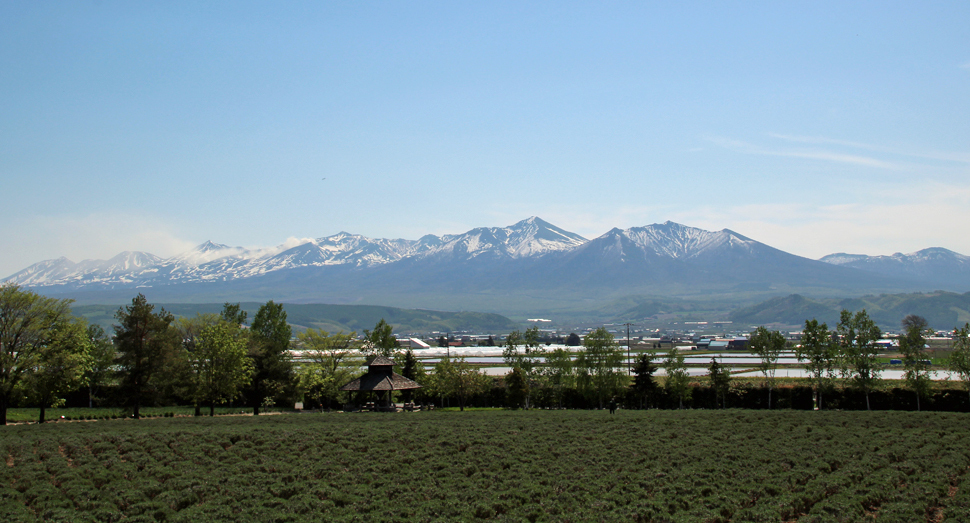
(815, 127)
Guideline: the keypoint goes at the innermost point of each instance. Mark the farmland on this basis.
(706, 466)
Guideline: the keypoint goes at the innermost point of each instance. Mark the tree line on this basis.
(152, 358)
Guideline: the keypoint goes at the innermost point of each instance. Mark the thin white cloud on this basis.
(93, 236)
(892, 220)
(811, 154)
(931, 155)
(965, 66)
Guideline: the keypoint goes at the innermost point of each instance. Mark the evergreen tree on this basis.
(644, 385)
(720, 382)
(146, 344)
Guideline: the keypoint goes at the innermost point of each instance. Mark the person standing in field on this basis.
(612, 405)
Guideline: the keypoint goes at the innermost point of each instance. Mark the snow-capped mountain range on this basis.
(935, 264)
(216, 262)
(531, 257)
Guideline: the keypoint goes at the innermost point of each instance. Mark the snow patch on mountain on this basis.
(677, 241)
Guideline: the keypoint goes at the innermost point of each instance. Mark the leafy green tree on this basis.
(232, 313)
(222, 364)
(60, 364)
(912, 345)
(380, 341)
(768, 345)
(599, 366)
(515, 388)
(573, 340)
(720, 381)
(818, 349)
(558, 374)
(269, 349)
(511, 353)
(857, 350)
(329, 361)
(959, 360)
(183, 371)
(102, 352)
(644, 385)
(25, 322)
(456, 378)
(678, 380)
(147, 344)
(526, 361)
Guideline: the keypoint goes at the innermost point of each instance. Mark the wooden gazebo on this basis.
(381, 380)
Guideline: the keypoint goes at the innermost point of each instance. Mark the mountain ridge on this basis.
(530, 265)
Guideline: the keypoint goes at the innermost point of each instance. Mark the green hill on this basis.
(335, 318)
(943, 310)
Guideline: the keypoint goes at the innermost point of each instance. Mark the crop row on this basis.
(714, 466)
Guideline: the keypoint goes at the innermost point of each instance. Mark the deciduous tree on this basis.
(380, 341)
(818, 349)
(269, 349)
(25, 321)
(558, 374)
(599, 366)
(768, 345)
(222, 366)
(103, 355)
(912, 345)
(232, 313)
(959, 360)
(456, 378)
(329, 361)
(857, 347)
(678, 380)
(60, 364)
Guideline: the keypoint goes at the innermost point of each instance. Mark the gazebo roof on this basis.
(380, 376)
(380, 361)
(374, 381)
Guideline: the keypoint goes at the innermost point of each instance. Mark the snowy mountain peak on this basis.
(673, 240)
(530, 237)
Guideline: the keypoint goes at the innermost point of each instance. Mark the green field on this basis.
(705, 466)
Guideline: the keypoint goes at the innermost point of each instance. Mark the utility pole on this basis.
(629, 363)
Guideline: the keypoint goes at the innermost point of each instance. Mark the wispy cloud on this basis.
(965, 66)
(811, 154)
(92, 236)
(888, 222)
(821, 140)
